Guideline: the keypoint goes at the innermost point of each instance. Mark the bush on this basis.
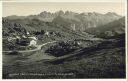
(62, 48)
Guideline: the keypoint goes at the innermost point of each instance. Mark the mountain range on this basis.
(62, 22)
(84, 20)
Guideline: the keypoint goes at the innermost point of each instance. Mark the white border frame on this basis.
(126, 31)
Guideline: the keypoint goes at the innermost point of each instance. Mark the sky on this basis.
(33, 8)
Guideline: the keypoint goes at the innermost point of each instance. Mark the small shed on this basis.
(33, 41)
(29, 41)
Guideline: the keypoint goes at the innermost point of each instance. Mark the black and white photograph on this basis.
(63, 40)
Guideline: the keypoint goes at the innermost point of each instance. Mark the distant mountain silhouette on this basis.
(81, 20)
(114, 28)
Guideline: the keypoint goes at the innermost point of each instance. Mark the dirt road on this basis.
(38, 47)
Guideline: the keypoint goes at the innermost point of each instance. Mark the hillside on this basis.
(43, 31)
(106, 60)
(111, 29)
(23, 26)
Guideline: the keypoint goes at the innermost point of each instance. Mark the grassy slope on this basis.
(101, 63)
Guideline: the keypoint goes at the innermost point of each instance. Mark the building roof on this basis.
(32, 38)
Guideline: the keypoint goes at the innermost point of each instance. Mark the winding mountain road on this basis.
(30, 58)
(38, 47)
